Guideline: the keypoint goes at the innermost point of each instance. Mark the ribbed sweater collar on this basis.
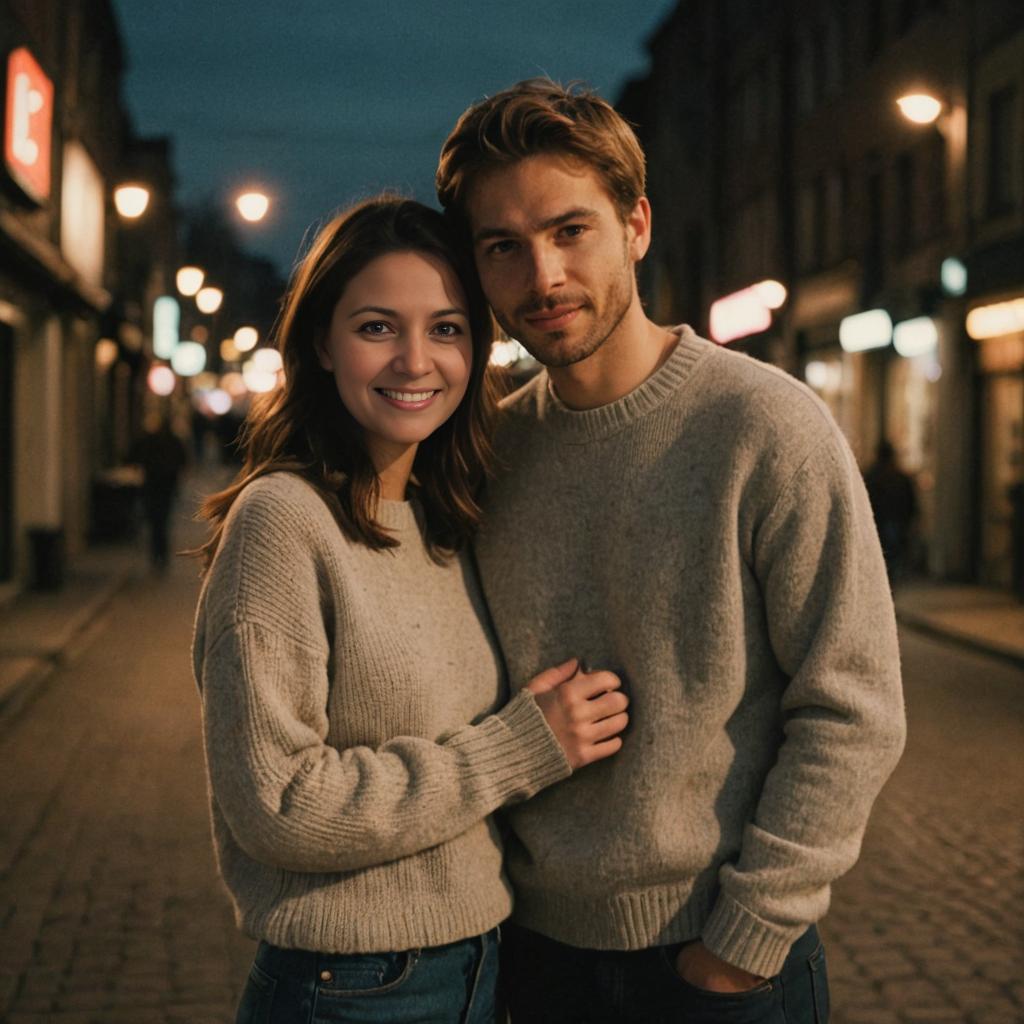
(397, 516)
(577, 426)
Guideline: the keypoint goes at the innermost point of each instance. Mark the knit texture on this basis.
(709, 538)
(352, 744)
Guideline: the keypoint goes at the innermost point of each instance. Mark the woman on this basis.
(348, 674)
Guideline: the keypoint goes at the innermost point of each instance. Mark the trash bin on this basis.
(115, 499)
(47, 552)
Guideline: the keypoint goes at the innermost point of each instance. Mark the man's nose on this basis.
(547, 270)
(413, 358)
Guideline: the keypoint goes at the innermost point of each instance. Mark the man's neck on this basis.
(635, 350)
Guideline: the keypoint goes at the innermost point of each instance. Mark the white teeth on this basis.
(407, 396)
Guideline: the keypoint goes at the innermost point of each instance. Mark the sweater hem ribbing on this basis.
(413, 925)
(623, 921)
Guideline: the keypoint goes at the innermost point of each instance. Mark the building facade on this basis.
(64, 139)
(777, 152)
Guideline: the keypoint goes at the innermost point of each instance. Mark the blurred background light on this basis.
(863, 331)
(161, 380)
(131, 200)
(189, 280)
(208, 299)
(246, 338)
(189, 358)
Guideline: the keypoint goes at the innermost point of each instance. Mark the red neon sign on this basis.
(27, 124)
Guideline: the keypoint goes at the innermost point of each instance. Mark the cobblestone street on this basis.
(110, 909)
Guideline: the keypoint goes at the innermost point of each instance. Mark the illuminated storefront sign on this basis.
(995, 320)
(27, 124)
(748, 311)
(863, 331)
(82, 213)
(166, 322)
(916, 337)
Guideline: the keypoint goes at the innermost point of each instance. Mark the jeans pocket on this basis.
(257, 1002)
(702, 1006)
(365, 974)
(819, 985)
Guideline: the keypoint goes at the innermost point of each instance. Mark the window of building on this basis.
(874, 247)
(907, 14)
(874, 29)
(905, 198)
(1001, 111)
(935, 185)
(820, 221)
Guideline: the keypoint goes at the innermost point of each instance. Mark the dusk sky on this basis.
(320, 102)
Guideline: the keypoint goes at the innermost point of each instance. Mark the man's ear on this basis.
(638, 229)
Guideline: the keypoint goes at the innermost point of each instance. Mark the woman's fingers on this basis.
(608, 727)
(602, 707)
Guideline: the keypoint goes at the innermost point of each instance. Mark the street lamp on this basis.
(189, 280)
(131, 200)
(920, 108)
(252, 206)
(245, 338)
(208, 299)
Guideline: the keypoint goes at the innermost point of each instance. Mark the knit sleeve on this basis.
(832, 628)
(294, 801)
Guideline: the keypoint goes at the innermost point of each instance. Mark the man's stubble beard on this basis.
(619, 301)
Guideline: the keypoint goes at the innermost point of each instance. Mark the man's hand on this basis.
(702, 969)
(585, 711)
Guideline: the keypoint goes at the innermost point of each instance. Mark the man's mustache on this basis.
(535, 306)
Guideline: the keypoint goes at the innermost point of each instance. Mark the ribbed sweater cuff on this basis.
(735, 934)
(517, 749)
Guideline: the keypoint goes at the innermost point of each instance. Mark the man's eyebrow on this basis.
(576, 213)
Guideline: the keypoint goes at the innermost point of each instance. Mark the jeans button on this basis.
(326, 976)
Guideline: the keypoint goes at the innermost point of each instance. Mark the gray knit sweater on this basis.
(708, 537)
(349, 793)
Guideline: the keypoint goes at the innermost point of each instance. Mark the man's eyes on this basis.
(501, 247)
(504, 246)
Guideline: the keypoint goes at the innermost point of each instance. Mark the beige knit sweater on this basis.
(349, 792)
(707, 536)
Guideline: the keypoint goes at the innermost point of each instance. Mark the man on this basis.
(692, 520)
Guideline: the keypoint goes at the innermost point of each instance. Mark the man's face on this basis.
(555, 259)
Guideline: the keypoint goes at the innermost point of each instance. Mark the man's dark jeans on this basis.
(547, 982)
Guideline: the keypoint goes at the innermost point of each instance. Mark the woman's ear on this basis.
(322, 354)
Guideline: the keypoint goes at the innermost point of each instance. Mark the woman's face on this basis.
(400, 350)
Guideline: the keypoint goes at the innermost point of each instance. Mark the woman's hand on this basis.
(584, 710)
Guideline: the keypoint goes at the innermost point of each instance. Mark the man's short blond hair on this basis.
(538, 117)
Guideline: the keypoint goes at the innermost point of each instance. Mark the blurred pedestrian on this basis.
(162, 456)
(893, 499)
(695, 520)
(356, 728)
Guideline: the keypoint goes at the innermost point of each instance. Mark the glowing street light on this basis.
(252, 206)
(131, 200)
(920, 108)
(246, 338)
(208, 299)
(189, 280)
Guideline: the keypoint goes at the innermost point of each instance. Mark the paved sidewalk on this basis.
(42, 631)
(986, 620)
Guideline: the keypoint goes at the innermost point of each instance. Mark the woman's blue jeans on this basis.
(453, 984)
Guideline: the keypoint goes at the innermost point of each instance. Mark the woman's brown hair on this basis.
(304, 426)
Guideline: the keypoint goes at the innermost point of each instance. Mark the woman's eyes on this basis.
(448, 330)
(379, 328)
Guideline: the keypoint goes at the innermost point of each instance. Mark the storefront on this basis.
(1000, 365)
